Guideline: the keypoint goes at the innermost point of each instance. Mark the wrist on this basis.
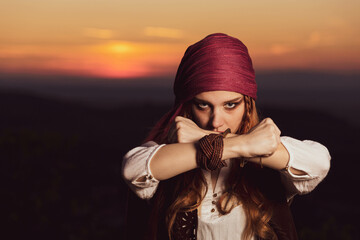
(235, 147)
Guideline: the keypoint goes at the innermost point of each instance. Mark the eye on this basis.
(202, 105)
(230, 105)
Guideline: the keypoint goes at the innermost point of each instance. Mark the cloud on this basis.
(323, 39)
(98, 33)
(314, 39)
(280, 49)
(163, 32)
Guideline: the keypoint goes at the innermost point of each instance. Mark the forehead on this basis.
(218, 96)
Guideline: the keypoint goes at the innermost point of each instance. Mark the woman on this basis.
(207, 183)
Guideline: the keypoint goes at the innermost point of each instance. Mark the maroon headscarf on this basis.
(217, 62)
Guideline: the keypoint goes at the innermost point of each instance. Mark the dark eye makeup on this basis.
(231, 105)
(202, 105)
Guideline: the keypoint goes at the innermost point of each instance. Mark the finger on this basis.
(181, 118)
(277, 129)
(180, 124)
(181, 121)
(187, 121)
(271, 122)
(178, 118)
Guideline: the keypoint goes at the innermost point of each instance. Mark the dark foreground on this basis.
(60, 168)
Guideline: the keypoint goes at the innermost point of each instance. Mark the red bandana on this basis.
(217, 62)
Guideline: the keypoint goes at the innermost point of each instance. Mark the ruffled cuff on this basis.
(148, 179)
(308, 156)
(136, 169)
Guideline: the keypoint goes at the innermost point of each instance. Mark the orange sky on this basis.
(139, 38)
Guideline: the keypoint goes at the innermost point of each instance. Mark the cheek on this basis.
(236, 119)
(200, 118)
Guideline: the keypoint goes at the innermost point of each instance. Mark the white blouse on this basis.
(308, 156)
(212, 225)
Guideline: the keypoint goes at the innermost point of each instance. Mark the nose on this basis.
(216, 120)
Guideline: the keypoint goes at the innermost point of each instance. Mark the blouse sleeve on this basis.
(136, 170)
(308, 156)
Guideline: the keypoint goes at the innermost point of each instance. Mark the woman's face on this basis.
(218, 110)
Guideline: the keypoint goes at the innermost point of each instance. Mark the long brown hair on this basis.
(185, 192)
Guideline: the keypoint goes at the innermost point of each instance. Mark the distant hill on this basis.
(335, 93)
(61, 163)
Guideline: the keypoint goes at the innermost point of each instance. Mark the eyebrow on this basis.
(234, 100)
(229, 101)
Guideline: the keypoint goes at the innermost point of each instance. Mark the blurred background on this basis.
(83, 81)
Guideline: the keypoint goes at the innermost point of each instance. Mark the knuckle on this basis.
(267, 120)
(179, 125)
(178, 118)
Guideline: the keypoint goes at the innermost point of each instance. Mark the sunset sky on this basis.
(142, 38)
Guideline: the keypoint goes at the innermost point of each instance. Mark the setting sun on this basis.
(120, 39)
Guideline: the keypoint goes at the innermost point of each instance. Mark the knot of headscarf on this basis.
(217, 62)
